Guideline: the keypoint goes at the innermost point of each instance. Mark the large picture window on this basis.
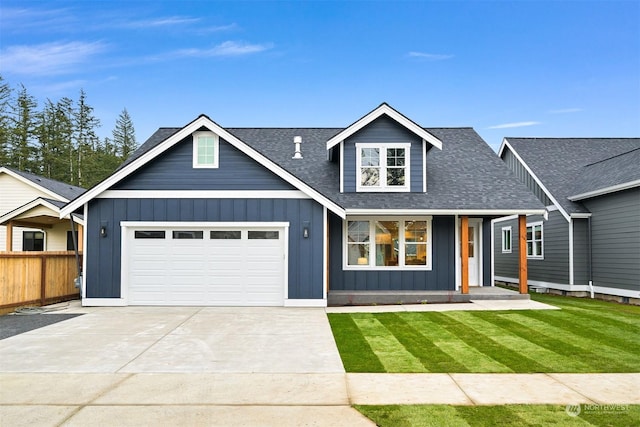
(382, 167)
(388, 243)
(534, 240)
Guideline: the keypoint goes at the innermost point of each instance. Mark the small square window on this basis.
(33, 241)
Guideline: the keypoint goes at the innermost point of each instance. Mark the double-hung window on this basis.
(382, 167)
(32, 241)
(506, 240)
(388, 243)
(205, 150)
(535, 240)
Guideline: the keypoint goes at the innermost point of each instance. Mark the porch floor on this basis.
(342, 298)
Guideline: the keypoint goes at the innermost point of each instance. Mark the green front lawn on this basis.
(585, 336)
(508, 415)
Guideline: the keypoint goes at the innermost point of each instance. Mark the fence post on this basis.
(43, 280)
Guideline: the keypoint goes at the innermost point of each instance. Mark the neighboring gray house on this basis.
(206, 215)
(590, 242)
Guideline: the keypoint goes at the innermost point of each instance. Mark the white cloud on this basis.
(514, 125)
(429, 56)
(48, 58)
(228, 48)
(565, 111)
(160, 22)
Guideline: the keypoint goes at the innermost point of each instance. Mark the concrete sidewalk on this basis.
(280, 399)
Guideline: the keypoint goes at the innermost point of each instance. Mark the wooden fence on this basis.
(37, 278)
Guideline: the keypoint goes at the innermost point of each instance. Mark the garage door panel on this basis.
(243, 266)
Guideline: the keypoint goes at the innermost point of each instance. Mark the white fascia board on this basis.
(27, 207)
(203, 194)
(505, 144)
(373, 115)
(606, 190)
(580, 215)
(33, 184)
(179, 136)
(477, 212)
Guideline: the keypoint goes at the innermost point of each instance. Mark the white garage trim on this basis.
(128, 226)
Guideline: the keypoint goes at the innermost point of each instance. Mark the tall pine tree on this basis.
(21, 141)
(84, 137)
(124, 136)
(5, 121)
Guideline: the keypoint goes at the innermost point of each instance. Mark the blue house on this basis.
(206, 215)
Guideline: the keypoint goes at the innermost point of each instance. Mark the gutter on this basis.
(74, 236)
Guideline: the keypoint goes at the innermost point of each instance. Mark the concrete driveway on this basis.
(178, 366)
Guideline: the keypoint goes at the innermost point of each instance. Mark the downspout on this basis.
(74, 236)
(590, 256)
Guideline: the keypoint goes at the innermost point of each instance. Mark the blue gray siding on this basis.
(615, 225)
(441, 277)
(305, 255)
(580, 251)
(553, 268)
(173, 170)
(486, 252)
(383, 130)
(518, 169)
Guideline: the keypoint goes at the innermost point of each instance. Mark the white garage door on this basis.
(229, 266)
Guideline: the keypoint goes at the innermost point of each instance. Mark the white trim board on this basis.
(203, 194)
(575, 288)
(606, 190)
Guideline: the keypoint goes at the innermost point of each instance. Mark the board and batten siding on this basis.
(383, 130)
(440, 277)
(615, 236)
(553, 268)
(173, 170)
(524, 176)
(305, 269)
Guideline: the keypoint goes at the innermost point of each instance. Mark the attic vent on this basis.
(297, 140)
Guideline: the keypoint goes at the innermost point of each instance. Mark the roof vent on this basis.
(297, 140)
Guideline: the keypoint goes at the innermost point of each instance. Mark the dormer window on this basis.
(205, 150)
(382, 167)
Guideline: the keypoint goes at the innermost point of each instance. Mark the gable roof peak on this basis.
(384, 109)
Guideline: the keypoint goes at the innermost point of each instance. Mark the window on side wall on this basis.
(506, 240)
(205, 150)
(33, 241)
(535, 240)
(388, 243)
(382, 167)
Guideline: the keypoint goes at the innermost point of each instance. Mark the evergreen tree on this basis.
(84, 138)
(54, 131)
(124, 135)
(5, 122)
(21, 145)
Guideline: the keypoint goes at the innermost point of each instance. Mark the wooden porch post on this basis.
(80, 240)
(9, 247)
(464, 253)
(522, 248)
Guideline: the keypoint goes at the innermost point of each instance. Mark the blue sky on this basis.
(505, 68)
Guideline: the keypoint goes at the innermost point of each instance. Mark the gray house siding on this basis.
(524, 176)
(486, 252)
(553, 268)
(173, 170)
(580, 251)
(305, 270)
(383, 130)
(441, 277)
(615, 227)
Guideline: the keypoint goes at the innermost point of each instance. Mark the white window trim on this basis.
(383, 187)
(508, 250)
(372, 255)
(532, 225)
(216, 152)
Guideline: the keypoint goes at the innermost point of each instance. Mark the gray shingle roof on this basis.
(465, 174)
(67, 191)
(617, 170)
(562, 164)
